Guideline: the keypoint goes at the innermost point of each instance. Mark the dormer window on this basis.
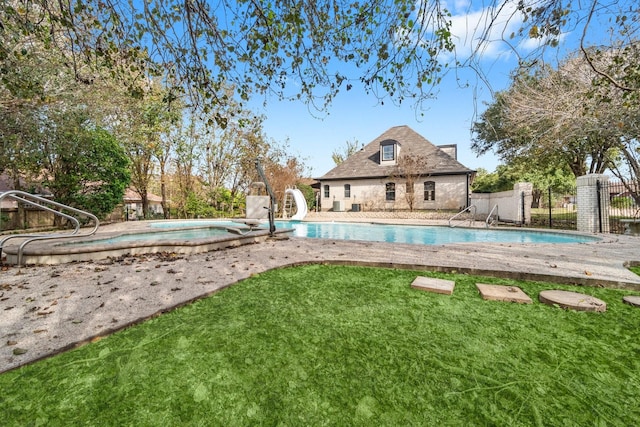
(389, 151)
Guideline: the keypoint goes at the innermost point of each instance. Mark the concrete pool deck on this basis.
(48, 309)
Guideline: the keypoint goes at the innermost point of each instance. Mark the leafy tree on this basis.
(570, 117)
(186, 156)
(309, 195)
(144, 126)
(542, 176)
(491, 182)
(295, 49)
(84, 167)
(282, 169)
(231, 153)
(549, 116)
(340, 155)
(250, 45)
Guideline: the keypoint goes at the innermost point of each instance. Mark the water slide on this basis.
(301, 203)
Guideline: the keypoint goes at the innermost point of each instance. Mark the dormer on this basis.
(389, 152)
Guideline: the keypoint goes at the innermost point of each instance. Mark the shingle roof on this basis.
(366, 162)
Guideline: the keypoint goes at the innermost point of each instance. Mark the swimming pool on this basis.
(393, 233)
(191, 237)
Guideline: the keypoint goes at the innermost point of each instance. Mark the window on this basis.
(347, 191)
(409, 187)
(326, 191)
(388, 152)
(390, 189)
(429, 190)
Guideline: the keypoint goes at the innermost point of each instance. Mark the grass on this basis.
(329, 345)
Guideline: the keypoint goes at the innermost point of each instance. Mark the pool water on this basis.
(425, 235)
(189, 234)
(414, 234)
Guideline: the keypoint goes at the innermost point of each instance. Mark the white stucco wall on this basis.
(451, 193)
(511, 204)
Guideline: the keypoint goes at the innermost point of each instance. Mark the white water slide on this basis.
(299, 200)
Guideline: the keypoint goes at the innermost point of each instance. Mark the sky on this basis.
(355, 116)
(461, 97)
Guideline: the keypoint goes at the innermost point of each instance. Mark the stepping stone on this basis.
(572, 300)
(632, 300)
(503, 293)
(429, 284)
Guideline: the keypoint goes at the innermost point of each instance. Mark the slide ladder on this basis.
(55, 208)
(293, 196)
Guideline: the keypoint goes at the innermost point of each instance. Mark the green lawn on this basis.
(329, 345)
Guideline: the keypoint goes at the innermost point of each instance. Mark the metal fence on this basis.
(557, 208)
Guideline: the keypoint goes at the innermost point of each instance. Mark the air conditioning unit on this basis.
(338, 206)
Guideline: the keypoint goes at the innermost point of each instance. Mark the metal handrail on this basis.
(468, 208)
(486, 222)
(35, 200)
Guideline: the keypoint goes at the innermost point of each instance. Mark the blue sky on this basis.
(355, 116)
(447, 119)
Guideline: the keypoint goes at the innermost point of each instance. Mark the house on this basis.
(400, 169)
(133, 205)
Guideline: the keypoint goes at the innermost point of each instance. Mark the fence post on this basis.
(598, 191)
(593, 203)
(550, 209)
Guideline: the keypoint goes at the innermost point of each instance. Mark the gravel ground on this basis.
(48, 309)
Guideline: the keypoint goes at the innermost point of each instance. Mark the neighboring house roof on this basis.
(619, 188)
(366, 162)
(131, 196)
(7, 184)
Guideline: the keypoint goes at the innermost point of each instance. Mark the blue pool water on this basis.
(415, 234)
(425, 235)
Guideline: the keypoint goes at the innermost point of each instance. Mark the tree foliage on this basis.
(558, 116)
(350, 147)
(303, 49)
(84, 167)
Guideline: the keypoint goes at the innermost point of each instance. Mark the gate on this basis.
(556, 208)
(623, 204)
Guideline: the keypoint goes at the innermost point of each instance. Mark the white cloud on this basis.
(486, 32)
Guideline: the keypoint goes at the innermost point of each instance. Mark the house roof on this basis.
(366, 162)
(131, 196)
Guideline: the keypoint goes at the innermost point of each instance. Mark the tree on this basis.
(309, 194)
(542, 176)
(572, 116)
(550, 116)
(231, 153)
(248, 44)
(144, 126)
(83, 166)
(296, 49)
(410, 168)
(340, 155)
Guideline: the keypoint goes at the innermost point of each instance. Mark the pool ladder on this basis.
(471, 209)
(490, 219)
(46, 205)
